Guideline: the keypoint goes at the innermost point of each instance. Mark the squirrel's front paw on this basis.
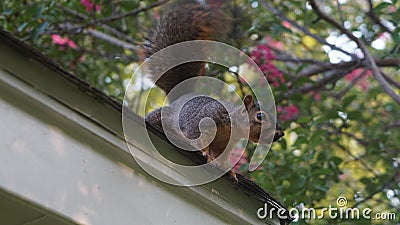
(232, 176)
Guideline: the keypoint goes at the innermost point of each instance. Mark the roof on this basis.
(106, 113)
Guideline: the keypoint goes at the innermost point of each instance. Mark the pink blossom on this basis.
(156, 15)
(72, 44)
(286, 24)
(288, 112)
(98, 8)
(362, 82)
(274, 43)
(90, 6)
(276, 78)
(256, 56)
(58, 40)
(317, 96)
(266, 52)
(263, 56)
(262, 82)
(238, 155)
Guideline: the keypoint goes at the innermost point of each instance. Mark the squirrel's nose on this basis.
(278, 132)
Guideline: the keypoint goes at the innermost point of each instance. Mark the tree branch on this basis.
(326, 66)
(112, 40)
(383, 187)
(368, 57)
(305, 30)
(340, 94)
(371, 14)
(333, 77)
(339, 7)
(104, 26)
(131, 13)
(391, 81)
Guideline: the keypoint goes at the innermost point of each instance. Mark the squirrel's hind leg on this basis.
(206, 153)
(232, 175)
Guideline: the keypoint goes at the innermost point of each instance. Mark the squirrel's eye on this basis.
(261, 116)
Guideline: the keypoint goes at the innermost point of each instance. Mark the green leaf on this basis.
(322, 188)
(354, 115)
(301, 182)
(381, 6)
(300, 140)
(304, 120)
(311, 155)
(346, 101)
(336, 160)
(40, 30)
(22, 26)
(321, 171)
(7, 12)
(396, 36)
(315, 141)
(39, 12)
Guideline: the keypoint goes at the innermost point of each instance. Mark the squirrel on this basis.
(187, 20)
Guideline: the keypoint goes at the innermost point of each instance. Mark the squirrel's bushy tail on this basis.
(185, 20)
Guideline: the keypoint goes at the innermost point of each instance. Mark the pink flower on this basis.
(72, 44)
(90, 6)
(317, 96)
(273, 43)
(274, 76)
(98, 8)
(238, 155)
(286, 24)
(263, 56)
(266, 52)
(288, 112)
(58, 40)
(256, 56)
(354, 75)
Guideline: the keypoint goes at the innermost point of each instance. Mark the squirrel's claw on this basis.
(232, 176)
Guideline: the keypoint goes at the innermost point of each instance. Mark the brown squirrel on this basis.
(186, 20)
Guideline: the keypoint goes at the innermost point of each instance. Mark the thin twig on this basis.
(371, 14)
(368, 57)
(382, 188)
(390, 80)
(98, 34)
(339, 7)
(305, 30)
(348, 87)
(326, 66)
(131, 13)
(112, 30)
(330, 78)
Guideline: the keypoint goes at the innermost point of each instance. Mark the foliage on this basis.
(333, 67)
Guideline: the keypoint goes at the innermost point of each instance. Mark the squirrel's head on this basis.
(261, 120)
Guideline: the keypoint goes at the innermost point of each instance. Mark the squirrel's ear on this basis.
(248, 101)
